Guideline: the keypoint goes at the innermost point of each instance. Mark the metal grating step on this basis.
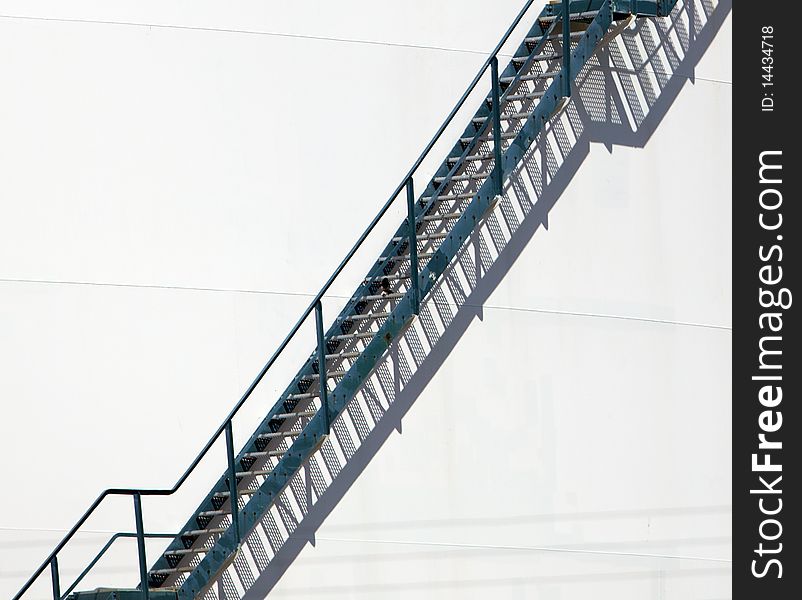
(463, 196)
(443, 217)
(572, 17)
(529, 77)
(344, 355)
(186, 569)
(245, 492)
(389, 277)
(200, 532)
(470, 158)
(279, 434)
(188, 551)
(553, 37)
(354, 336)
(406, 256)
(373, 316)
(520, 60)
(424, 238)
(257, 472)
(266, 453)
(529, 96)
(464, 177)
(513, 117)
(375, 297)
(296, 415)
(504, 136)
(329, 374)
(213, 513)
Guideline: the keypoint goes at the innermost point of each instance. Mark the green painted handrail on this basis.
(52, 557)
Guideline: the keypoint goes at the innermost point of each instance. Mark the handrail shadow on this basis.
(613, 104)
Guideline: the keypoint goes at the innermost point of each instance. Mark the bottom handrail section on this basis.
(105, 549)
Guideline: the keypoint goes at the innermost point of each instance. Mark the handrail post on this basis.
(566, 48)
(140, 543)
(497, 174)
(413, 247)
(55, 579)
(321, 361)
(233, 498)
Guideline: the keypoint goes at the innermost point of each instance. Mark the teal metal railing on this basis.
(226, 427)
(642, 7)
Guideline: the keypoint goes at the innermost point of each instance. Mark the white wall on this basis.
(172, 198)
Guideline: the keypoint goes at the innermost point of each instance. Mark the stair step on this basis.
(388, 277)
(464, 177)
(186, 551)
(279, 434)
(245, 492)
(405, 256)
(529, 77)
(328, 374)
(519, 60)
(355, 336)
(270, 453)
(572, 17)
(422, 238)
(375, 297)
(295, 415)
(443, 217)
(373, 316)
(213, 513)
(255, 473)
(470, 158)
(306, 396)
(448, 197)
(463, 196)
(186, 569)
(199, 532)
(346, 354)
(520, 97)
(553, 37)
(530, 96)
(504, 136)
(513, 117)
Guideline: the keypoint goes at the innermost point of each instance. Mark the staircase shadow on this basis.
(621, 98)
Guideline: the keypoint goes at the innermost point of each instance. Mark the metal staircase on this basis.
(523, 97)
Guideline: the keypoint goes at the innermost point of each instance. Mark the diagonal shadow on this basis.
(621, 97)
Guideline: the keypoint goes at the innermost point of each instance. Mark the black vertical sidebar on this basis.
(766, 363)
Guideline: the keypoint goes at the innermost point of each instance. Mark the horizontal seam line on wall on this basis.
(289, 35)
(340, 297)
(166, 26)
(242, 32)
(528, 549)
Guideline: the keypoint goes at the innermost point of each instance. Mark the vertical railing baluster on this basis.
(566, 48)
(497, 173)
(232, 480)
(55, 579)
(321, 361)
(140, 543)
(413, 247)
